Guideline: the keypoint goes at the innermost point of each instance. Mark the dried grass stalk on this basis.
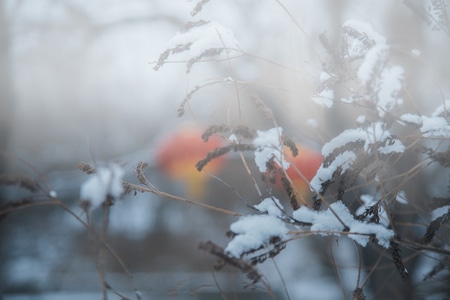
(86, 168)
(241, 264)
(222, 151)
(433, 227)
(398, 262)
(22, 181)
(140, 172)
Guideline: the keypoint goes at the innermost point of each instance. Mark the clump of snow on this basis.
(229, 80)
(345, 137)
(325, 223)
(361, 119)
(343, 161)
(435, 127)
(392, 146)
(271, 206)
(416, 52)
(360, 231)
(372, 134)
(375, 133)
(268, 147)
(254, 231)
(401, 197)
(411, 118)
(369, 201)
(372, 62)
(209, 35)
(438, 212)
(391, 82)
(105, 182)
(312, 122)
(347, 100)
(233, 138)
(324, 98)
(439, 111)
(385, 82)
(366, 29)
(361, 37)
(324, 76)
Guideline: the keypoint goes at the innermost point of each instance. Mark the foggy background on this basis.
(77, 84)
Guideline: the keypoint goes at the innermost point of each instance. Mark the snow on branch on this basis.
(255, 232)
(268, 147)
(324, 98)
(271, 206)
(343, 150)
(325, 223)
(105, 183)
(382, 83)
(361, 37)
(388, 89)
(442, 110)
(430, 127)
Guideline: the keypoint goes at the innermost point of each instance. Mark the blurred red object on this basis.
(178, 154)
(303, 167)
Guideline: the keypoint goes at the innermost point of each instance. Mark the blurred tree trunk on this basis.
(6, 88)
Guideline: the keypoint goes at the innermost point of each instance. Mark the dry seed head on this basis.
(222, 151)
(213, 129)
(16, 204)
(241, 264)
(317, 202)
(165, 55)
(436, 202)
(244, 131)
(181, 110)
(433, 227)
(398, 262)
(198, 7)
(190, 25)
(207, 53)
(436, 269)
(21, 181)
(290, 144)
(290, 192)
(358, 294)
(140, 172)
(262, 107)
(86, 168)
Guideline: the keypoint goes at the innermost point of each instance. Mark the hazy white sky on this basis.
(83, 73)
